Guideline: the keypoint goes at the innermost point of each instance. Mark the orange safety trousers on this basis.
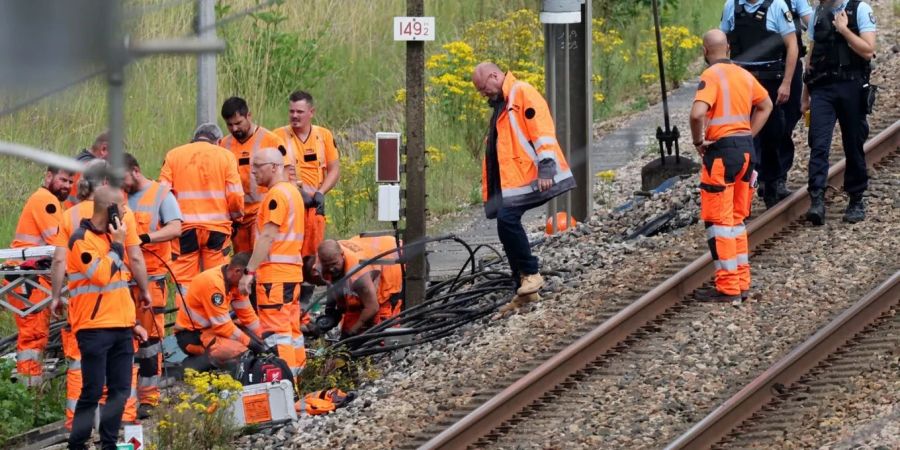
(313, 232)
(221, 351)
(725, 197)
(245, 235)
(34, 332)
(278, 308)
(385, 311)
(149, 356)
(74, 382)
(198, 249)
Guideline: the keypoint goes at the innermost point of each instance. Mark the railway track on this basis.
(541, 398)
(777, 404)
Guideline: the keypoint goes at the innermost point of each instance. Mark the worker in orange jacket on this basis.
(94, 177)
(730, 107)
(98, 150)
(204, 327)
(523, 168)
(158, 223)
(245, 140)
(365, 297)
(206, 183)
(318, 170)
(38, 224)
(276, 263)
(102, 317)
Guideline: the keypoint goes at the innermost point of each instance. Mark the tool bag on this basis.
(264, 368)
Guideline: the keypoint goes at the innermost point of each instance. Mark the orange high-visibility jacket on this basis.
(98, 286)
(282, 206)
(209, 306)
(205, 180)
(243, 152)
(147, 216)
(388, 278)
(731, 92)
(39, 221)
(73, 216)
(526, 138)
(312, 156)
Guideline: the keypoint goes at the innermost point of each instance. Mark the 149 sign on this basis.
(413, 28)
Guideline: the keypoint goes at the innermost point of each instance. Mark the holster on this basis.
(869, 94)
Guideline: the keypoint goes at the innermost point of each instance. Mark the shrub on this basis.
(331, 367)
(22, 409)
(198, 418)
(679, 49)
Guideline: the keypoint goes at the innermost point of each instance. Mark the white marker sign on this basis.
(413, 28)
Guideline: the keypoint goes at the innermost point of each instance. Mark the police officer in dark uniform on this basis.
(763, 40)
(837, 89)
(802, 14)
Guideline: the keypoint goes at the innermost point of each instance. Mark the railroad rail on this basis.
(611, 334)
(784, 373)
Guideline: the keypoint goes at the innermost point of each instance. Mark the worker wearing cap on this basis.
(245, 140)
(205, 180)
(763, 39)
(37, 226)
(730, 107)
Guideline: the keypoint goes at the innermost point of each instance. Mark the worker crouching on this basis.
(204, 328)
(362, 296)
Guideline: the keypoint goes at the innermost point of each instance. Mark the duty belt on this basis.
(768, 71)
(831, 76)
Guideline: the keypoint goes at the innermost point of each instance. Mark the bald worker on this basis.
(276, 262)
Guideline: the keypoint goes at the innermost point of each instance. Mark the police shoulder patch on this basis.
(273, 204)
(789, 17)
(701, 85)
(217, 299)
(51, 208)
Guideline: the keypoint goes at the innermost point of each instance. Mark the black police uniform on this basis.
(837, 79)
(752, 42)
(791, 108)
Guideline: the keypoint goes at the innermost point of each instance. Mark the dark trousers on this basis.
(840, 101)
(769, 142)
(107, 355)
(792, 115)
(515, 241)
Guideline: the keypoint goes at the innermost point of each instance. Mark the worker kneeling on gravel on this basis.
(523, 168)
(360, 298)
(733, 106)
(204, 328)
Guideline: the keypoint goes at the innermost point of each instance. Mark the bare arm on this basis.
(57, 278)
(170, 231)
(759, 116)
(260, 252)
(365, 289)
(139, 272)
(698, 121)
(332, 175)
(784, 91)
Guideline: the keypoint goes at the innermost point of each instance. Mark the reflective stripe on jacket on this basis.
(243, 152)
(39, 221)
(526, 148)
(209, 308)
(146, 214)
(282, 206)
(206, 183)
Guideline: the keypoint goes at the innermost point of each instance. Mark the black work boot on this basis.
(781, 190)
(816, 213)
(856, 210)
(769, 195)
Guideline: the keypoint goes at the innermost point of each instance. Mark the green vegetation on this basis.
(22, 409)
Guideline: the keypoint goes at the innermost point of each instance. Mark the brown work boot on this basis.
(530, 284)
(517, 302)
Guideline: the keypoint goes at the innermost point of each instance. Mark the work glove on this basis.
(319, 200)
(234, 228)
(256, 346)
